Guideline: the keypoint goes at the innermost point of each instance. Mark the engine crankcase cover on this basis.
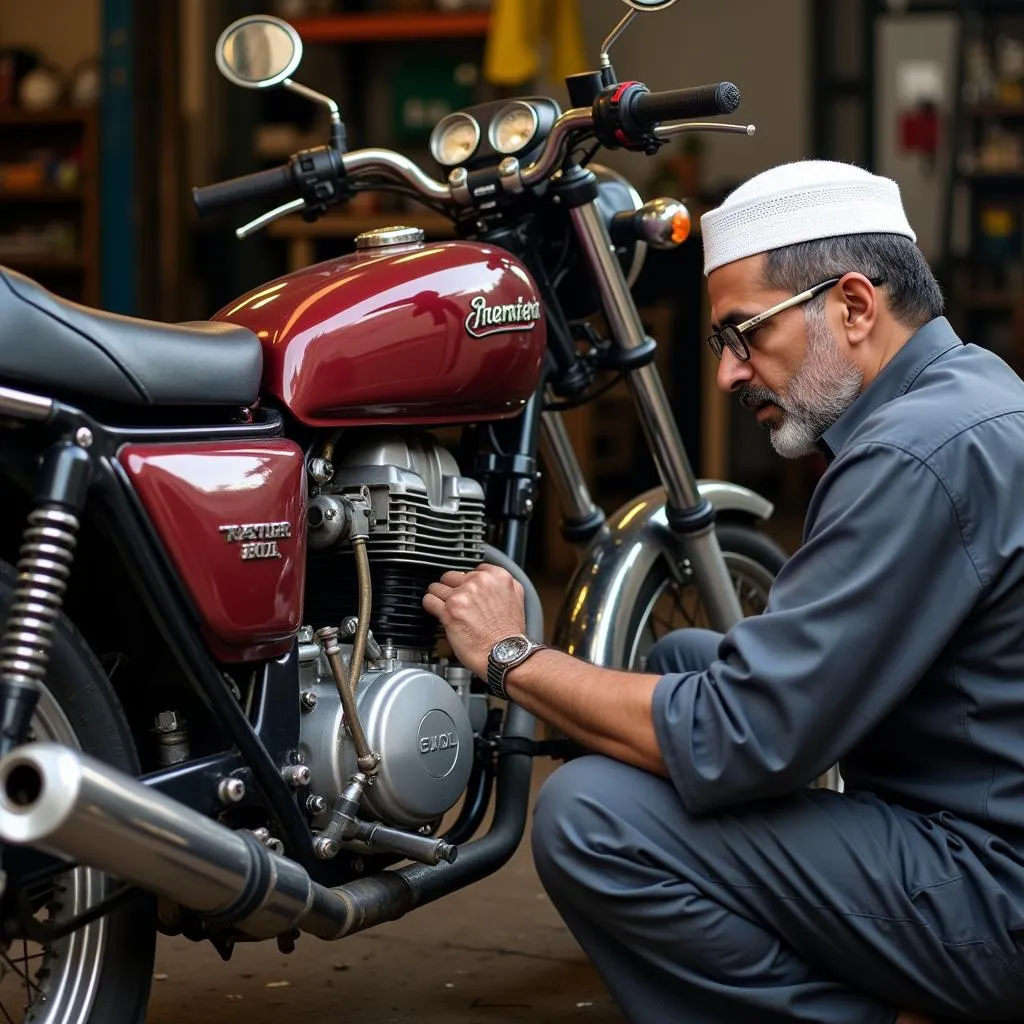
(420, 727)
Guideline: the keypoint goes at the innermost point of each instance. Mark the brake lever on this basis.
(667, 131)
(269, 217)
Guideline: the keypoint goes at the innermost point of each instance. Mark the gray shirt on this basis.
(893, 639)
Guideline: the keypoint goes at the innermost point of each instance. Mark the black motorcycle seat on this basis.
(51, 343)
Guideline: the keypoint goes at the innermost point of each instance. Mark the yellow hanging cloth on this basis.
(513, 54)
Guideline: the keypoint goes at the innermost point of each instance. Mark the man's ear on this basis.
(859, 307)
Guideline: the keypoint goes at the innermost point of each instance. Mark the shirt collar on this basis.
(935, 339)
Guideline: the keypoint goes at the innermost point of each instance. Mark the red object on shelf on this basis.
(362, 28)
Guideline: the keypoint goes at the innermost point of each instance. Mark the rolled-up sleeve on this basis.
(855, 618)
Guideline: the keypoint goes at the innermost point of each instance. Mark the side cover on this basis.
(232, 519)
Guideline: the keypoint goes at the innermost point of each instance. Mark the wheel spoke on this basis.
(29, 984)
(7, 1017)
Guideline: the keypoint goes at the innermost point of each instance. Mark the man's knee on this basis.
(571, 820)
(558, 833)
(601, 836)
(683, 650)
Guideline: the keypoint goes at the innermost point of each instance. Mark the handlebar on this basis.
(648, 109)
(269, 184)
(626, 115)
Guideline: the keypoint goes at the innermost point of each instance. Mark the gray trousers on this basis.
(824, 907)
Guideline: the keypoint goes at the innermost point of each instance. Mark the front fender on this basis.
(606, 585)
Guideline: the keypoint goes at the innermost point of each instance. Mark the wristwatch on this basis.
(506, 654)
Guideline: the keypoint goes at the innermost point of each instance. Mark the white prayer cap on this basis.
(801, 202)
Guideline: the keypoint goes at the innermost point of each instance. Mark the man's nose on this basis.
(733, 372)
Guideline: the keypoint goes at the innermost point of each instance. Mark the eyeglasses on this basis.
(732, 337)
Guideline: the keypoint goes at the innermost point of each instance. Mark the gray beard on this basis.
(822, 389)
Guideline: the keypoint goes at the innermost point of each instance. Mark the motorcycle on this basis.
(252, 730)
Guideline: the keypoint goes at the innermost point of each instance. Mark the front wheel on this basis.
(667, 602)
(101, 972)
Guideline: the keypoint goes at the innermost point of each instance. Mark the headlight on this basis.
(454, 139)
(514, 128)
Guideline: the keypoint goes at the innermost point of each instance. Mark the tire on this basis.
(754, 560)
(101, 973)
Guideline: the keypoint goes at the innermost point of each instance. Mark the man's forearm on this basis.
(607, 711)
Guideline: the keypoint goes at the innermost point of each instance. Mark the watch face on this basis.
(507, 650)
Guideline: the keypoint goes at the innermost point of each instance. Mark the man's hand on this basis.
(477, 609)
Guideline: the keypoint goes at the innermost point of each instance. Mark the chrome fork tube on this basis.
(689, 515)
(564, 469)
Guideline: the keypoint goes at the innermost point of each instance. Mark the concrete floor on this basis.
(495, 952)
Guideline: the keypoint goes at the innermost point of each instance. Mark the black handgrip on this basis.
(699, 101)
(260, 185)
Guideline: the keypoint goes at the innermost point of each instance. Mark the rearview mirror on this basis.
(258, 51)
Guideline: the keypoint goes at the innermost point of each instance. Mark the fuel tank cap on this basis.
(396, 234)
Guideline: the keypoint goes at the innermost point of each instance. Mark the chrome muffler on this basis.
(75, 807)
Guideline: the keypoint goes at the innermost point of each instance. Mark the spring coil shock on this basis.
(44, 565)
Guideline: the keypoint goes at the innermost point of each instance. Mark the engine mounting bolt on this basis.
(325, 848)
(297, 775)
(167, 721)
(321, 470)
(230, 791)
(528, 504)
(309, 701)
(83, 437)
(316, 804)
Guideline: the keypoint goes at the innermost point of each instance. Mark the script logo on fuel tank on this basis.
(487, 319)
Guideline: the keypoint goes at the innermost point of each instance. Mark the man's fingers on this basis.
(433, 605)
(440, 590)
(454, 577)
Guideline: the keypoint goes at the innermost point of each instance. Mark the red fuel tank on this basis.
(436, 333)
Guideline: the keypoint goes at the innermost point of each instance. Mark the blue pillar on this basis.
(118, 263)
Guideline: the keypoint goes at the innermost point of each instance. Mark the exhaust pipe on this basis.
(72, 806)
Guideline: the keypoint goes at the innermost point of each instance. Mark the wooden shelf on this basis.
(301, 236)
(42, 262)
(998, 177)
(366, 28)
(994, 110)
(41, 195)
(60, 115)
(348, 225)
(998, 301)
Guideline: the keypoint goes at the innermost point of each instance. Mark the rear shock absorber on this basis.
(44, 566)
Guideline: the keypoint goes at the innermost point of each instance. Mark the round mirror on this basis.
(650, 5)
(258, 51)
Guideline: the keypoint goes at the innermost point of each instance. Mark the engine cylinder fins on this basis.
(397, 618)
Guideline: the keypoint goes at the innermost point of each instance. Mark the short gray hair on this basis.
(912, 293)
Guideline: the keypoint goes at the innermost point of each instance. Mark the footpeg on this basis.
(393, 840)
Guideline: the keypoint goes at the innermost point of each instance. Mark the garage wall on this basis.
(763, 47)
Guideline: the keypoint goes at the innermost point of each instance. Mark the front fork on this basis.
(44, 566)
(690, 516)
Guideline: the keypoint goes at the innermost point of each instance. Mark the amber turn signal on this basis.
(663, 223)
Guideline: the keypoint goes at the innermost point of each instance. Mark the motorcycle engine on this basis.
(426, 519)
(416, 719)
